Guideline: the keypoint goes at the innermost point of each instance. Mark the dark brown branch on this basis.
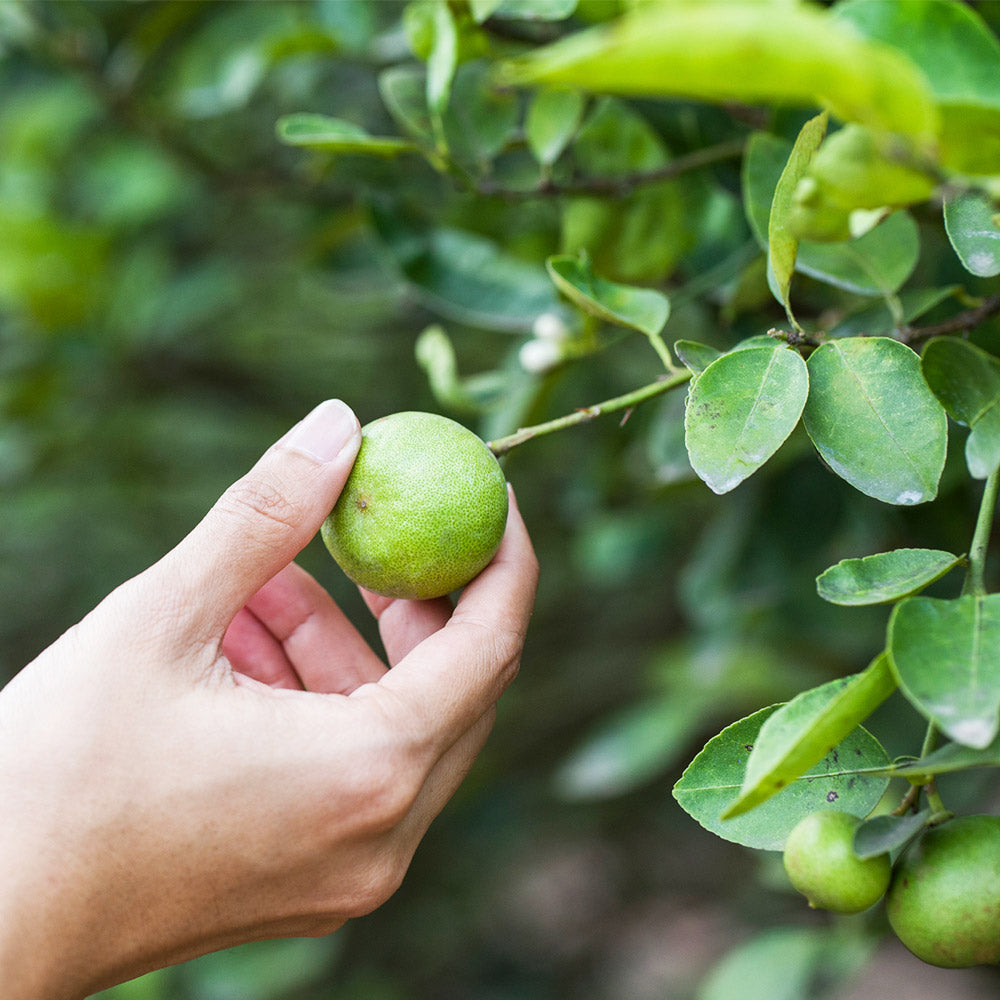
(962, 322)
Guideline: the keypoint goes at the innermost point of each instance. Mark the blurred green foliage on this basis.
(178, 285)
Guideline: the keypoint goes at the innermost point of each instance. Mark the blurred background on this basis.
(177, 287)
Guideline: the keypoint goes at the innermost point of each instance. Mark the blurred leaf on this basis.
(804, 730)
(801, 57)
(712, 783)
(353, 25)
(946, 655)
(333, 135)
(666, 451)
(874, 264)
(442, 61)
(436, 355)
(882, 834)
(552, 119)
(952, 757)
(782, 243)
(404, 91)
(480, 118)
(524, 10)
(467, 277)
(694, 356)
(873, 419)
(642, 309)
(970, 219)
(740, 410)
(785, 963)
(884, 577)
(627, 749)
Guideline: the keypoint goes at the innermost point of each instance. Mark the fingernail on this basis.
(326, 432)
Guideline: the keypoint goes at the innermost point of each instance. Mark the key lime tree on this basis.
(844, 161)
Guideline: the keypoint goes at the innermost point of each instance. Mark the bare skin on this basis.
(214, 755)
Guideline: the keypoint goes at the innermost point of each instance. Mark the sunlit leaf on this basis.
(782, 243)
(806, 729)
(643, 309)
(970, 219)
(946, 656)
(740, 410)
(802, 56)
(873, 419)
(884, 577)
(713, 779)
(333, 135)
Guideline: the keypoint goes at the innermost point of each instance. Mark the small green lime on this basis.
(423, 510)
(820, 860)
(944, 901)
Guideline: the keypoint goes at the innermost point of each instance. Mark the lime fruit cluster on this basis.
(820, 861)
(423, 510)
(944, 900)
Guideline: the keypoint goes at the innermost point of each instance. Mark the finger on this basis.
(260, 523)
(254, 652)
(403, 625)
(455, 675)
(326, 651)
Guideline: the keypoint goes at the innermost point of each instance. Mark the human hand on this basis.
(214, 755)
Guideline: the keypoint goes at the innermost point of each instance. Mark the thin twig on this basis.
(962, 322)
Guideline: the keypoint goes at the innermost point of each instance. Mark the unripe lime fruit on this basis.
(821, 863)
(944, 900)
(423, 510)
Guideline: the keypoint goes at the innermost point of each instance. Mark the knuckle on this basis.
(380, 880)
(258, 498)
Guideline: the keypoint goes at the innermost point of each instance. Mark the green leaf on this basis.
(959, 55)
(467, 277)
(952, 757)
(404, 91)
(333, 135)
(782, 243)
(802, 56)
(970, 220)
(804, 730)
(442, 63)
(552, 120)
(740, 410)
(642, 309)
(882, 834)
(694, 356)
(713, 779)
(884, 577)
(946, 656)
(436, 355)
(876, 263)
(873, 419)
(967, 382)
(522, 10)
(878, 318)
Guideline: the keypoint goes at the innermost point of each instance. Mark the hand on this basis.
(214, 755)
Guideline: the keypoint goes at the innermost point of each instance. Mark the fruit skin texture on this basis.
(944, 900)
(423, 510)
(820, 861)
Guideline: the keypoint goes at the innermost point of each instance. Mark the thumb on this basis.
(261, 522)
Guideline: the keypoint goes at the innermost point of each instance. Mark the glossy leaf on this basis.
(946, 656)
(802, 56)
(642, 309)
(804, 730)
(970, 219)
(333, 135)
(874, 264)
(552, 119)
(713, 779)
(694, 356)
(740, 410)
(782, 243)
(966, 379)
(883, 834)
(873, 419)
(884, 577)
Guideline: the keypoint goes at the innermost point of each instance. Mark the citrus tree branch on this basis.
(626, 402)
(962, 322)
(975, 577)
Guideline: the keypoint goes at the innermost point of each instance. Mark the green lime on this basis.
(944, 900)
(423, 510)
(820, 861)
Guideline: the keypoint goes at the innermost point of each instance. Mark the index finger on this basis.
(452, 678)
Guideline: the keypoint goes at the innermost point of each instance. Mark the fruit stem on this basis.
(504, 444)
(975, 577)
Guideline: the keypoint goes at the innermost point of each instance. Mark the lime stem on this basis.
(630, 399)
(975, 577)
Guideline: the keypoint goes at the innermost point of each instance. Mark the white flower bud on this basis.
(550, 326)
